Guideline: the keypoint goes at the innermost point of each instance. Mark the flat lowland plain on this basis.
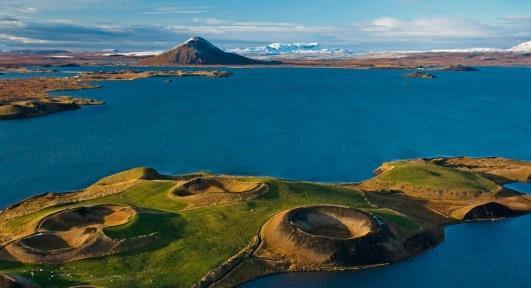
(185, 244)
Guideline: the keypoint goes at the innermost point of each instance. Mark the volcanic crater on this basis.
(331, 236)
(70, 234)
(208, 190)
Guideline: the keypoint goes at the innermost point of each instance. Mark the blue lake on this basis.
(520, 187)
(333, 125)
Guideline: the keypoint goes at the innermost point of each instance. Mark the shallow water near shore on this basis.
(330, 125)
(520, 187)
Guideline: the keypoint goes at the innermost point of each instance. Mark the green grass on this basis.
(399, 219)
(191, 242)
(433, 176)
(150, 195)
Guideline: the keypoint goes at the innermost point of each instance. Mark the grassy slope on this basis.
(397, 218)
(191, 242)
(433, 176)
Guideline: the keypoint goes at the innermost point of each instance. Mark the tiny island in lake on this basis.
(297, 151)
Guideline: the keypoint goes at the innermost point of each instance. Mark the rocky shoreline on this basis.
(24, 98)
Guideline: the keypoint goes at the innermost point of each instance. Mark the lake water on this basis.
(520, 187)
(333, 125)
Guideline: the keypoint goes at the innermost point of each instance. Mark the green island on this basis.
(142, 228)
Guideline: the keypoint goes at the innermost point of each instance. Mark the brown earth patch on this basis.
(500, 170)
(458, 210)
(87, 216)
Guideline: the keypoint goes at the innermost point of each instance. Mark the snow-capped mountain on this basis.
(524, 47)
(404, 53)
(291, 47)
(286, 49)
(467, 50)
(313, 50)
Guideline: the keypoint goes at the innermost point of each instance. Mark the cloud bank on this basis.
(383, 33)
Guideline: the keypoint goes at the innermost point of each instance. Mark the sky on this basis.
(375, 25)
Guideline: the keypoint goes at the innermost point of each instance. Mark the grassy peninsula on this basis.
(141, 228)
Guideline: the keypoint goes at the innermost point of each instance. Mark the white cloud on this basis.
(380, 33)
(22, 40)
(27, 10)
(516, 20)
(10, 22)
(426, 27)
(177, 10)
(62, 21)
(111, 28)
(218, 26)
(209, 21)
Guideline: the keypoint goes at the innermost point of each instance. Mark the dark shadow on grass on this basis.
(168, 227)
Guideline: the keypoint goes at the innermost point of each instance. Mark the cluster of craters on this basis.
(70, 234)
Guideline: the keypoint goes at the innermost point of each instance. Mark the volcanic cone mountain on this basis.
(197, 51)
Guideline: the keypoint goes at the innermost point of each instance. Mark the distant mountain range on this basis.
(197, 51)
(521, 48)
(184, 53)
(524, 47)
(279, 49)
